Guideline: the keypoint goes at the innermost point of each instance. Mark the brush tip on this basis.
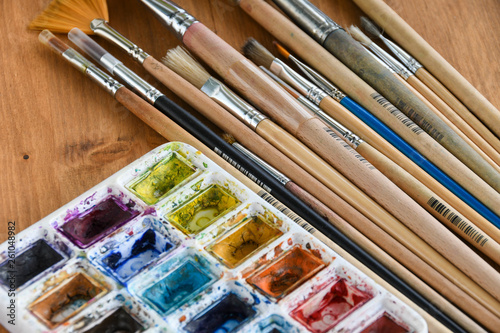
(228, 138)
(358, 35)
(281, 50)
(182, 62)
(370, 27)
(254, 51)
(48, 39)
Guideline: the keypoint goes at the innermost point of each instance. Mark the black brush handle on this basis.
(278, 190)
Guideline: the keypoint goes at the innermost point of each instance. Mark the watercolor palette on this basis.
(172, 243)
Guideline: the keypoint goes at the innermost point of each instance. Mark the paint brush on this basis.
(265, 94)
(411, 41)
(347, 50)
(383, 130)
(389, 224)
(415, 67)
(446, 113)
(323, 61)
(400, 253)
(413, 187)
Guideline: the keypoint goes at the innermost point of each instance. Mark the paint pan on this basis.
(137, 251)
(276, 324)
(175, 282)
(162, 179)
(203, 209)
(28, 264)
(118, 321)
(324, 310)
(384, 324)
(234, 248)
(66, 300)
(226, 315)
(288, 272)
(92, 225)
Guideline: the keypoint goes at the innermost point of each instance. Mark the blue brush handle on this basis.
(394, 139)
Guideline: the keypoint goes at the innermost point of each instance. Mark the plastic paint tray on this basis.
(241, 254)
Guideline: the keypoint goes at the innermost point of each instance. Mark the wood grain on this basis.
(74, 135)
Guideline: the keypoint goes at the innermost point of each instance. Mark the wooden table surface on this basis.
(61, 134)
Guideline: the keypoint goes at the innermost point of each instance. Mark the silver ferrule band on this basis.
(352, 138)
(251, 156)
(103, 80)
(104, 30)
(411, 63)
(390, 61)
(309, 18)
(77, 60)
(297, 82)
(239, 108)
(143, 88)
(174, 17)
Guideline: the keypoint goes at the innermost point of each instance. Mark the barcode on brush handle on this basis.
(241, 169)
(398, 114)
(285, 210)
(349, 148)
(457, 221)
(424, 124)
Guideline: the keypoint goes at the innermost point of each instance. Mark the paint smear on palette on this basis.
(276, 324)
(287, 273)
(65, 300)
(97, 222)
(136, 253)
(224, 316)
(28, 264)
(329, 306)
(178, 287)
(384, 324)
(162, 179)
(233, 249)
(117, 322)
(206, 207)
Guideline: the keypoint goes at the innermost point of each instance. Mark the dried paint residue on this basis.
(160, 180)
(384, 324)
(97, 222)
(233, 249)
(287, 273)
(118, 321)
(64, 301)
(329, 306)
(203, 210)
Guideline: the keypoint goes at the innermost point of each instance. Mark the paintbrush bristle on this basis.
(358, 35)
(254, 51)
(228, 138)
(182, 62)
(63, 15)
(281, 49)
(370, 27)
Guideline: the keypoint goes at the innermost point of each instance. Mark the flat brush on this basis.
(445, 112)
(386, 221)
(415, 67)
(347, 50)
(269, 97)
(323, 61)
(388, 134)
(411, 41)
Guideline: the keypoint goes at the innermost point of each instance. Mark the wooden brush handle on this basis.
(314, 54)
(395, 252)
(457, 106)
(329, 146)
(464, 130)
(431, 202)
(413, 43)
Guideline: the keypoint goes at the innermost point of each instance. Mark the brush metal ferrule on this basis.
(350, 137)
(411, 63)
(309, 18)
(272, 171)
(239, 108)
(174, 17)
(104, 80)
(291, 77)
(392, 63)
(143, 88)
(101, 28)
(76, 60)
(319, 80)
